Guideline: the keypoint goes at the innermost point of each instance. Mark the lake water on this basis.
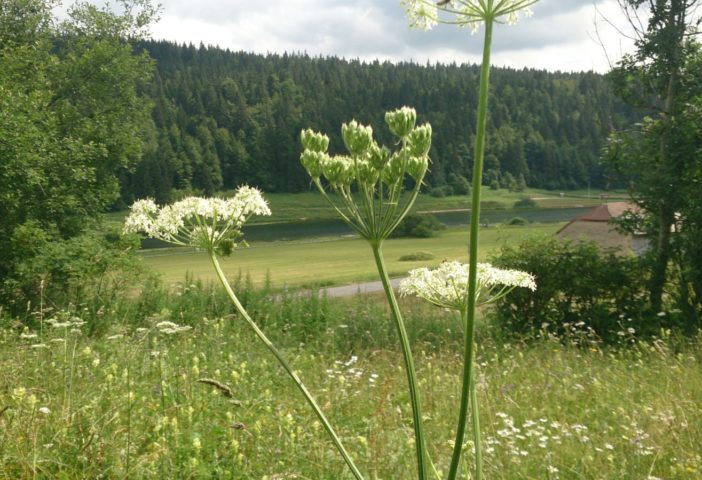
(332, 228)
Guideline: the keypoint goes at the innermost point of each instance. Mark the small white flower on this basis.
(44, 410)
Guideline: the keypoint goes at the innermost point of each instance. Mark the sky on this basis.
(565, 35)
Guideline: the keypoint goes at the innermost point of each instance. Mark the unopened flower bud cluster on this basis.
(367, 162)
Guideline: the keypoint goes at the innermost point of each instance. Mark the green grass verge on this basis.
(332, 261)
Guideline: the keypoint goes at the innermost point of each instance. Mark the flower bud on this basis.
(392, 173)
(378, 156)
(367, 173)
(419, 140)
(316, 142)
(417, 167)
(312, 161)
(357, 138)
(338, 170)
(401, 121)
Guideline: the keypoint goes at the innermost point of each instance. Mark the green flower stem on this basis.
(284, 363)
(476, 429)
(473, 261)
(409, 362)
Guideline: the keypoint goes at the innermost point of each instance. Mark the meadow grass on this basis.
(129, 405)
(333, 261)
(288, 207)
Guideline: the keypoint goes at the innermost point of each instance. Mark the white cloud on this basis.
(560, 36)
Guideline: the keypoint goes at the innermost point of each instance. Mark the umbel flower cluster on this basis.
(371, 170)
(446, 286)
(425, 14)
(208, 223)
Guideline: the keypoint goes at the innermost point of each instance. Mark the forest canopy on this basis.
(225, 118)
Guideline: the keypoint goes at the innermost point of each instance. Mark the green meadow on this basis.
(332, 261)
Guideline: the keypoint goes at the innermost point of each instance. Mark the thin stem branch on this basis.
(473, 258)
(284, 363)
(420, 443)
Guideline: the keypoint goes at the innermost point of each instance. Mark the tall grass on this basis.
(127, 403)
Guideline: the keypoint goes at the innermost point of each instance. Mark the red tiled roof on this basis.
(606, 212)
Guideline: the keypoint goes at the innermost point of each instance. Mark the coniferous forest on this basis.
(224, 118)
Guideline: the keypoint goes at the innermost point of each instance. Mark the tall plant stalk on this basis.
(378, 207)
(467, 384)
(420, 442)
(286, 366)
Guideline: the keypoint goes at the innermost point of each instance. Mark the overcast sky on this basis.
(562, 34)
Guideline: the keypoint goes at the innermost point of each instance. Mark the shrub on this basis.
(417, 256)
(418, 226)
(90, 270)
(576, 282)
(525, 202)
(518, 221)
(459, 184)
(441, 192)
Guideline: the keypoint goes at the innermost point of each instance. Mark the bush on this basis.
(418, 226)
(90, 270)
(459, 184)
(417, 256)
(576, 282)
(518, 221)
(525, 202)
(441, 192)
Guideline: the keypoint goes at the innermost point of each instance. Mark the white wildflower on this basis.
(169, 328)
(424, 14)
(446, 286)
(198, 222)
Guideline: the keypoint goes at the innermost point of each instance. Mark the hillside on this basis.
(223, 118)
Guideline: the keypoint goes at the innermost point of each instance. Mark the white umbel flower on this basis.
(198, 222)
(425, 14)
(446, 286)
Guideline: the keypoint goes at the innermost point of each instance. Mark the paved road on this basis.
(357, 288)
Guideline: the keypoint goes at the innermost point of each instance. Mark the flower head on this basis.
(199, 222)
(425, 14)
(446, 286)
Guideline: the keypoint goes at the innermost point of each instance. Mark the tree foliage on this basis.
(660, 157)
(71, 116)
(225, 118)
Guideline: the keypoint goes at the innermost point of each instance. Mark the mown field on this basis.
(128, 404)
(287, 207)
(333, 261)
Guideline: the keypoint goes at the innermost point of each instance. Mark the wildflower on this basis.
(424, 14)
(446, 285)
(169, 328)
(209, 223)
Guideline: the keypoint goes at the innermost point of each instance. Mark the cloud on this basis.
(560, 35)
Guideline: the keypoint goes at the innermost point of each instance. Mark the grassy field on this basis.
(332, 261)
(129, 405)
(310, 205)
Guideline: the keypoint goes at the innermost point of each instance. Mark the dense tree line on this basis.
(224, 118)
